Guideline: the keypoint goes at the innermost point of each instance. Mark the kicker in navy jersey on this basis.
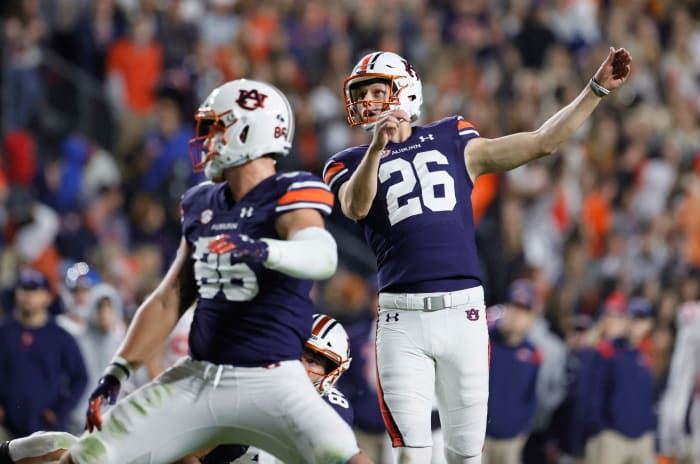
(410, 189)
(416, 220)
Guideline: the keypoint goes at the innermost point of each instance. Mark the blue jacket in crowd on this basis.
(40, 368)
(512, 394)
(620, 393)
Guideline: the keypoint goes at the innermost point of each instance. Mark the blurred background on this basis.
(96, 106)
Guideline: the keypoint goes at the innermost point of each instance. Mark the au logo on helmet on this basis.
(251, 99)
(410, 70)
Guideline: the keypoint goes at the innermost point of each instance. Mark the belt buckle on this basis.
(433, 303)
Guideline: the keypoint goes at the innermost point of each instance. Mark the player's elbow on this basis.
(545, 143)
(354, 210)
(330, 259)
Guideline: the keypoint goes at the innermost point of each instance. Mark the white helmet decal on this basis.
(240, 121)
(329, 338)
(406, 88)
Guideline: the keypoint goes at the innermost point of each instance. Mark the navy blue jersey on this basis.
(340, 404)
(420, 225)
(246, 314)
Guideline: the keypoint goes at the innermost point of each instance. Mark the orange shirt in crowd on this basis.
(141, 68)
(596, 219)
(484, 191)
(688, 221)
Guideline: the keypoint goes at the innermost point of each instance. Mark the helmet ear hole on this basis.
(244, 134)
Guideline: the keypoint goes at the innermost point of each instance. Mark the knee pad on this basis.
(454, 458)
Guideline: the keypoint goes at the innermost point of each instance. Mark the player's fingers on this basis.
(399, 114)
(94, 417)
(611, 55)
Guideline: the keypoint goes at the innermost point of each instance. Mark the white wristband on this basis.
(598, 89)
(119, 368)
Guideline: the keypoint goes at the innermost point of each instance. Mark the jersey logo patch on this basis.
(426, 138)
(251, 99)
(472, 314)
(246, 212)
(206, 216)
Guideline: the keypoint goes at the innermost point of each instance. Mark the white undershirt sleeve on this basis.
(311, 253)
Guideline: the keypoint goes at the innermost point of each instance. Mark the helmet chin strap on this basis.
(214, 169)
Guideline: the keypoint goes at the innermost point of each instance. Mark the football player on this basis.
(325, 357)
(409, 188)
(253, 241)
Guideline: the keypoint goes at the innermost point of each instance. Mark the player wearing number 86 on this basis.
(410, 188)
(252, 242)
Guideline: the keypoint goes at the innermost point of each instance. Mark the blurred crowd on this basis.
(97, 103)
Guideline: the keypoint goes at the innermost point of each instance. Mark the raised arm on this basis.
(357, 194)
(484, 156)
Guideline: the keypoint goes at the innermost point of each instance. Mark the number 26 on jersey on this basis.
(437, 188)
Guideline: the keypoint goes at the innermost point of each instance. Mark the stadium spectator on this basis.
(99, 340)
(134, 64)
(620, 392)
(514, 366)
(43, 371)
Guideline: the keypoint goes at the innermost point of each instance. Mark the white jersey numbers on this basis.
(437, 187)
(214, 273)
(335, 397)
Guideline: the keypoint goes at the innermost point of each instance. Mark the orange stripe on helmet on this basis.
(364, 62)
(319, 325)
(332, 170)
(316, 195)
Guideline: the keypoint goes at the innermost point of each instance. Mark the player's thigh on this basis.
(166, 414)
(462, 381)
(406, 377)
(283, 414)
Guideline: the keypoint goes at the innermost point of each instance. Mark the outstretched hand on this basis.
(615, 69)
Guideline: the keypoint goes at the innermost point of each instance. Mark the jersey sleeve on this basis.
(465, 132)
(305, 191)
(189, 204)
(340, 167)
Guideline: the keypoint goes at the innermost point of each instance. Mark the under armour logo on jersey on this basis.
(472, 314)
(246, 212)
(392, 316)
(426, 138)
(251, 99)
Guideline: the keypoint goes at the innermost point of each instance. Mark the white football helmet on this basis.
(406, 88)
(329, 338)
(240, 121)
